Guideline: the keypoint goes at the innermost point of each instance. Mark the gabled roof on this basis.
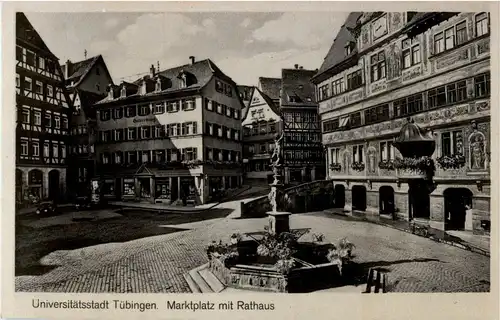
(270, 86)
(79, 70)
(297, 83)
(269, 102)
(336, 54)
(201, 72)
(87, 100)
(26, 32)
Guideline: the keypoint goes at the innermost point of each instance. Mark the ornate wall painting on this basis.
(396, 21)
(452, 59)
(477, 151)
(372, 160)
(394, 61)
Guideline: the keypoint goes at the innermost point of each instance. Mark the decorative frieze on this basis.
(355, 96)
(412, 73)
(452, 59)
(378, 86)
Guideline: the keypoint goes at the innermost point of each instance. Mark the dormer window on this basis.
(348, 48)
(158, 85)
(183, 82)
(111, 93)
(123, 92)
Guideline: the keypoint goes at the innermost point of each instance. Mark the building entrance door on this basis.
(456, 203)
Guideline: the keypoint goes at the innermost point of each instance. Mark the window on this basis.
(131, 133)
(411, 53)
(262, 148)
(118, 113)
(324, 92)
(188, 104)
(330, 125)
(97, 71)
(48, 120)
(144, 110)
(131, 111)
(347, 49)
(408, 105)
(39, 87)
(219, 108)
(172, 106)
(438, 43)
(456, 92)
(387, 151)
(28, 83)
(338, 86)
(24, 148)
(50, 91)
(209, 105)
(357, 152)
(36, 149)
(354, 80)
(55, 150)
(461, 33)
(482, 24)
(63, 151)
(118, 157)
(449, 39)
(160, 156)
(118, 135)
(190, 153)
(219, 131)
(105, 115)
(145, 132)
(131, 157)
(159, 108)
(18, 80)
(65, 124)
(378, 66)
(145, 157)
(57, 122)
(46, 150)
(30, 58)
(377, 114)
(123, 92)
(229, 112)
(237, 114)
(38, 118)
(482, 85)
(158, 131)
(451, 143)
(355, 119)
(105, 158)
(335, 155)
(219, 87)
(209, 153)
(26, 116)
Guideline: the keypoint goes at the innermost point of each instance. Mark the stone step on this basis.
(198, 279)
(191, 283)
(211, 280)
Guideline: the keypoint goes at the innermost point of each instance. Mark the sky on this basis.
(245, 45)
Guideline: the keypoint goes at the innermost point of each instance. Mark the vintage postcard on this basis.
(253, 159)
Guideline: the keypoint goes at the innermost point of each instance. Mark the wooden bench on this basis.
(376, 280)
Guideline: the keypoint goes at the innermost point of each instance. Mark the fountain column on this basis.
(279, 218)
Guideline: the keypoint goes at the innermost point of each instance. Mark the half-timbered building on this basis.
(42, 118)
(404, 99)
(302, 149)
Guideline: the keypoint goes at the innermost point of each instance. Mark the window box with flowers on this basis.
(358, 166)
(335, 166)
(415, 167)
(387, 165)
(455, 161)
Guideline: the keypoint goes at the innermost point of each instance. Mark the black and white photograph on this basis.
(244, 151)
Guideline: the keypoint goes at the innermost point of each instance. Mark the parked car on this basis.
(46, 208)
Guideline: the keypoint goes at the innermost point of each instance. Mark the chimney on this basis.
(192, 59)
(296, 66)
(152, 71)
(66, 69)
(301, 67)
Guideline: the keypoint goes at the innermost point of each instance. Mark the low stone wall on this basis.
(256, 208)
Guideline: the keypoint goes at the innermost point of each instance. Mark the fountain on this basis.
(274, 259)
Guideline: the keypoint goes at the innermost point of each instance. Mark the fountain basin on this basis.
(303, 278)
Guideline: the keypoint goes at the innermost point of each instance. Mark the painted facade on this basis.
(437, 76)
(173, 136)
(43, 115)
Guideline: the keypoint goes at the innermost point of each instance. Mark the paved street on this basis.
(155, 261)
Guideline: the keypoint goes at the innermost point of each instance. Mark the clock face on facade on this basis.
(379, 27)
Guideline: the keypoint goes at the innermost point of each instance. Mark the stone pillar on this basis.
(152, 188)
(170, 180)
(45, 185)
(179, 189)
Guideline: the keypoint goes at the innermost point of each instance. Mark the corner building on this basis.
(416, 74)
(172, 136)
(42, 119)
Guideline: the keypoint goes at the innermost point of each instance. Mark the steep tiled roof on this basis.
(199, 74)
(270, 86)
(26, 32)
(296, 84)
(87, 100)
(336, 54)
(79, 69)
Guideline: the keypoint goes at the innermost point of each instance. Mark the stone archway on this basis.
(456, 203)
(35, 184)
(359, 198)
(339, 196)
(54, 185)
(386, 201)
